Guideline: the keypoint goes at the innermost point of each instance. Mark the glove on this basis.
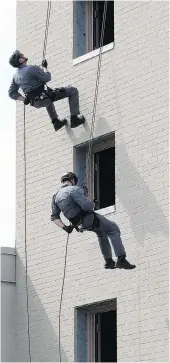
(26, 101)
(44, 63)
(61, 89)
(68, 229)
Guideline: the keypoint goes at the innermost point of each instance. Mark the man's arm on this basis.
(39, 74)
(13, 91)
(79, 197)
(55, 216)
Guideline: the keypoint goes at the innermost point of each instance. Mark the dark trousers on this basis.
(67, 92)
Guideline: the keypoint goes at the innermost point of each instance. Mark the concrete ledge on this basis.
(8, 265)
(92, 54)
(8, 251)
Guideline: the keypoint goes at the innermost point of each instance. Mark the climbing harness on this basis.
(38, 94)
(87, 171)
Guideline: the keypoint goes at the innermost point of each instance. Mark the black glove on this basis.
(68, 229)
(44, 63)
(61, 89)
(26, 101)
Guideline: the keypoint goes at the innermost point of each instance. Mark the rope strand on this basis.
(46, 28)
(89, 152)
(25, 241)
(96, 90)
(88, 163)
(61, 299)
(25, 193)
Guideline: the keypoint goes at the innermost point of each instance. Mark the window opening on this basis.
(87, 26)
(101, 175)
(96, 329)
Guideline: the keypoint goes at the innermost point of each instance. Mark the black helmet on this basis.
(14, 59)
(69, 176)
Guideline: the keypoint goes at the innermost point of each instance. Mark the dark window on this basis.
(98, 9)
(96, 332)
(104, 178)
(87, 25)
(106, 337)
(101, 170)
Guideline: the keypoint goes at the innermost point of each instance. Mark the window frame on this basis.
(90, 311)
(90, 53)
(99, 144)
(104, 143)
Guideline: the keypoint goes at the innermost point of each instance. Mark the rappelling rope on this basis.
(25, 193)
(88, 163)
(25, 243)
(96, 90)
(46, 28)
(89, 153)
(61, 299)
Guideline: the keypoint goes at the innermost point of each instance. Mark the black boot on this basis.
(77, 120)
(123, 263)
(58, 124)
(110, 264)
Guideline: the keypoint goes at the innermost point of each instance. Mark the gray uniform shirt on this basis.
(70, 200)
(28, 78)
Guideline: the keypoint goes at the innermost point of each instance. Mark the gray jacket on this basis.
(27, 78)
(70, 200)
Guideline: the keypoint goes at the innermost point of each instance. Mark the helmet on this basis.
(14, 59)
(69, 176)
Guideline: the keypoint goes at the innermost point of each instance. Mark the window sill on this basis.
(92, 54)
(108, 210)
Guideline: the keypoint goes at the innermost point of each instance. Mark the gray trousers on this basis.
(107, 230)
(66, 92)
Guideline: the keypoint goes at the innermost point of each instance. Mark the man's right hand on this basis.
(26, 101)
(68, 229)
(44, 63)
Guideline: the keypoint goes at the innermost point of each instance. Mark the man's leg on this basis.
(112, 230)
(104, 243)
(51, 112)
(72, 94)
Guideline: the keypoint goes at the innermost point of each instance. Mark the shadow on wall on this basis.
(132, 191)
(145, 213)
(83, 137)
(44, 340)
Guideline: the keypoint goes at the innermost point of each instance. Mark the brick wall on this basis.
(132, 102)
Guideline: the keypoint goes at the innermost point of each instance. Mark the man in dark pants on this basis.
(31, 79)
(75, 206)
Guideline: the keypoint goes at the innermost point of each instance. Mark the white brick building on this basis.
(133, 109)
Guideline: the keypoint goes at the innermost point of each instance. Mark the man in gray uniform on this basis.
(32, 79)
(75, 206)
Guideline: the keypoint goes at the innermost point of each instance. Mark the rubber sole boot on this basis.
(58, 124)
(110, 264)
(77, 120)
(123, 263)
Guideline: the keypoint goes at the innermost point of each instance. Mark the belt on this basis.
(78, 218)
(36, 92)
